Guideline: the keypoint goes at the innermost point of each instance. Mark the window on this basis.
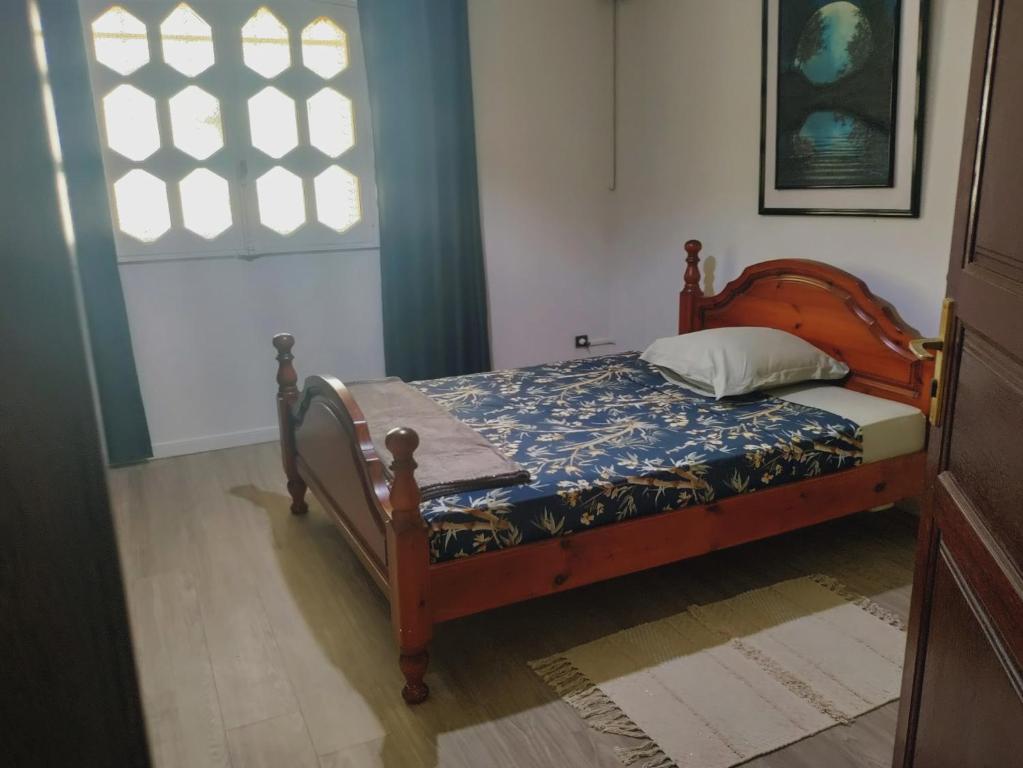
(233, 127)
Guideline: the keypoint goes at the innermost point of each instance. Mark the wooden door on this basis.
(962, 702)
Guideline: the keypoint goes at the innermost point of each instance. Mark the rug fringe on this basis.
(840, 589)
(561, 675)
(648, 751)
(593, 705)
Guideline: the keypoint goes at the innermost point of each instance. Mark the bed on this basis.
(628, 471)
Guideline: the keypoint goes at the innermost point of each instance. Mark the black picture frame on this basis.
(918, 90)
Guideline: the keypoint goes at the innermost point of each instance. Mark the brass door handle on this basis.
(933, 349)
(927, 349)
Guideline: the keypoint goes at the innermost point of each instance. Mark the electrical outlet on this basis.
(582, 341)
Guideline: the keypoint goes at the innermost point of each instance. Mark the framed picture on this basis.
(842, 107)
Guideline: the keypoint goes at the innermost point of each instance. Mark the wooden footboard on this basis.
(334, 456)
(326, 447)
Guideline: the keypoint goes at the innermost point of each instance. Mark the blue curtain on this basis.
(431, 250)
(124, 419)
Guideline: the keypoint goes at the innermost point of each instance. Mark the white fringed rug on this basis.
(723, 683)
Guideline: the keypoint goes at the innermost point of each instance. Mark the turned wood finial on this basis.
(287, 395)
(688, 299)
(691, 279)
(402, 443)
(287, 376)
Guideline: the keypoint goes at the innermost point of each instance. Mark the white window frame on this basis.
(238, 161)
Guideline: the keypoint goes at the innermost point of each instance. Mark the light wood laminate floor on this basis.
(261, 642)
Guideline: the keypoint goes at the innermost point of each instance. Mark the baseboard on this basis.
(214, 442)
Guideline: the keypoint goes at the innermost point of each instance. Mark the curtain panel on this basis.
(431, 249)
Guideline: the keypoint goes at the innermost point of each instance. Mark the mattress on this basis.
(608, 439)
(887, 428)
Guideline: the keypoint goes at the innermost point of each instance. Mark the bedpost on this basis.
(408, 564)
(688, 299)
(287, 396)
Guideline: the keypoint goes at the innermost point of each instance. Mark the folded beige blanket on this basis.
(452, 456)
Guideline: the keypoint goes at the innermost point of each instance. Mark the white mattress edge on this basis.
(889, 428)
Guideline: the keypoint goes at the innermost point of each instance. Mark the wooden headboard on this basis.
(824, 305)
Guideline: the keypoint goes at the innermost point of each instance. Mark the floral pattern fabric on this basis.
(608, 439)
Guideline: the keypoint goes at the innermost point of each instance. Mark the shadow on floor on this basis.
(478, 673)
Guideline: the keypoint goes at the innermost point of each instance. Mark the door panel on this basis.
(962, 702)
(984, 448)
(947, 735)
(983, 564)
(998, 236)
(990, 307)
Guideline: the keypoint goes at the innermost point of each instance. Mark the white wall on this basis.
(689, 144)
(201, 332)
(541, 75)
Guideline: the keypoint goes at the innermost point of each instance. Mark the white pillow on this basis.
(720, 362)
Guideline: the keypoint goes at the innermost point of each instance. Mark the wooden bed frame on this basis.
(325, 445)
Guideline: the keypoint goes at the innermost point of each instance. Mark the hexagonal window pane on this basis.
(187, 41)
(196, 123)
(130, 119)
(331, 123)
(281, 203)
(265, 44)
(205, 203)
(141, 201)
(324, 47)
(120, 40)
(272, 122)
(337, 198)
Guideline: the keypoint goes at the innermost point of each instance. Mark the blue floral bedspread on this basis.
(608, 439)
